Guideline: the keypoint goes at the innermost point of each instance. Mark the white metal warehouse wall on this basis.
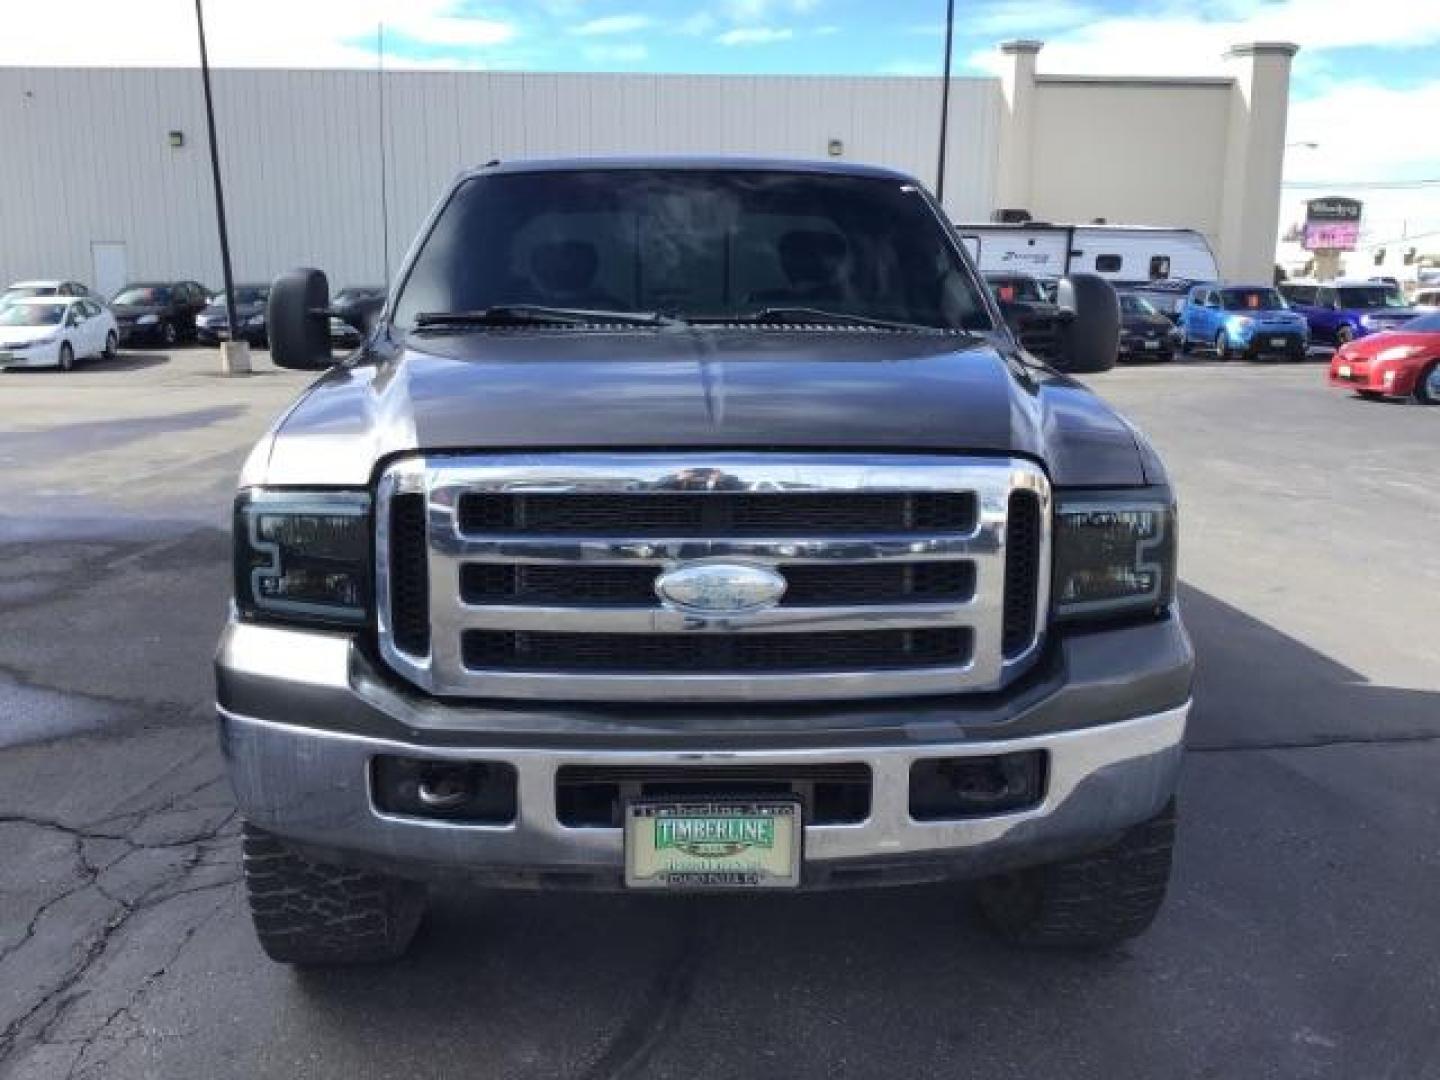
(87, 159)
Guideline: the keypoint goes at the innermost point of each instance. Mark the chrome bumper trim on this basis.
(312, 787)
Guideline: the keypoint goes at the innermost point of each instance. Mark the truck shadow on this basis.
(900, 982)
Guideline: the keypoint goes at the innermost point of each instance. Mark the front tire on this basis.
(1095, 901)
(313, 914)
(1427, 387)
(1222, 346)
(169, 336)
(112, 346)
(67, 357)
(1344, 336)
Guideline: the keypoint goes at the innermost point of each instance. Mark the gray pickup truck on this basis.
(694, 525)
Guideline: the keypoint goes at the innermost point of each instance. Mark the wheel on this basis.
(1344, 335)
(112, 346)
(67, 357)
(312, 914)
(1427, 386)
(1222, 346)
(168, 334)
(1091, 902)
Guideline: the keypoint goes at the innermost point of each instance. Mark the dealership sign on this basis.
(1332, 224)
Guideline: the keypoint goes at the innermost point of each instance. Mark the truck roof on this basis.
(697, 163)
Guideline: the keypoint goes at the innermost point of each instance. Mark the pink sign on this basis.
(1334, 235)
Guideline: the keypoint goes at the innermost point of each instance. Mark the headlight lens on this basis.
(147, 320)
(1239, 322)
(1114, 555)
(303, 556)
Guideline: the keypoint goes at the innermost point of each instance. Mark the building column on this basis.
(1013, 188)
(1255, 159)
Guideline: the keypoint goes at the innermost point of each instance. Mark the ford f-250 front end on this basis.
(698, 525)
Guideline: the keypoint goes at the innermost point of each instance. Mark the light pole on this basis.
(945, 101)
(235, 358)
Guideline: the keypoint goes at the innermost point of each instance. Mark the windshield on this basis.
(247, 294)
(1137, 305)
(19, 292)
(32, 314)
(1370, 297)
(1253, 300)
(346, 296)
(717, 245)
(143, 295)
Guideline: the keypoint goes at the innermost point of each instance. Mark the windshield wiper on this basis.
(836, 318)
(539, 315)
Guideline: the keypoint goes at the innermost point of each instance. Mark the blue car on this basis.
(1247, 321)
(1342, 311)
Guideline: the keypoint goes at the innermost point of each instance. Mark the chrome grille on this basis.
(540, 574)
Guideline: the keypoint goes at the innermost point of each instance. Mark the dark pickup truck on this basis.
(699, 525)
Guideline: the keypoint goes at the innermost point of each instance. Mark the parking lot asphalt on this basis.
(1300, 940)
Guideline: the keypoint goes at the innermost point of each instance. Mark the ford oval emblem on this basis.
(720, 588)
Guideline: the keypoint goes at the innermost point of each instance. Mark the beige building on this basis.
(106, 175)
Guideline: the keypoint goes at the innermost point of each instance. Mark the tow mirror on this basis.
(1091, 333)
(298, 321)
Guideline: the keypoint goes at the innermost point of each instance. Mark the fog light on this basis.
(949, 788)
(476, 792)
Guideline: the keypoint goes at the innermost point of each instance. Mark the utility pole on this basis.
(230, 318)
(384, 131)
(944, 100)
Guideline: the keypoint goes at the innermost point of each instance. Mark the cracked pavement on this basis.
(1299, 940)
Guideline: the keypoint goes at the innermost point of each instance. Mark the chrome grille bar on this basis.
(445, 480)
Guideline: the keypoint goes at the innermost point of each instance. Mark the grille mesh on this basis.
(494, 650)
(716, 513)
(808, 584)
(409, 574)
(1022, 572)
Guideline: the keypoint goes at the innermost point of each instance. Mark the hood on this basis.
(244, 311)
(22, 335)
(736, 390)
(1139, 323)
(1371, 345)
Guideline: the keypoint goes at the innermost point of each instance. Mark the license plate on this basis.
(1278, 342)
(1344, 371)
(1152, 344)
(713, 844)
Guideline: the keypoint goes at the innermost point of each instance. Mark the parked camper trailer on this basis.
(1122, 253)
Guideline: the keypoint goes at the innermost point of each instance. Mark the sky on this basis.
(1366, 86)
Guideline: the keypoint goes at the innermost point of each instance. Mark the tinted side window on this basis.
(1108, 264)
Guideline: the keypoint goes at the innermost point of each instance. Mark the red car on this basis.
(1400, 363)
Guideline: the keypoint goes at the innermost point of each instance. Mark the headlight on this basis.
(1367, 320)
(147, 320)
(255, 320)
(1114, 554)
(1239, 322)
(1398, 352)
(303, 556)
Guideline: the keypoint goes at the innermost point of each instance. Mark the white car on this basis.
(55, 331)
(22, 289)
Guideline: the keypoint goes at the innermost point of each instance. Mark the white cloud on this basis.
(696, 25)
(1173, 39)
(755, 35)
(1396, 130)
(613, 24)
(260, 33)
